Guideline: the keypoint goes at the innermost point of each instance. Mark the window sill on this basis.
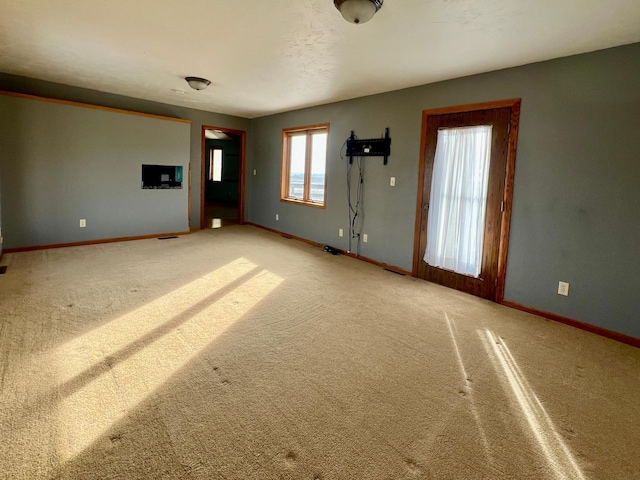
(302, 202)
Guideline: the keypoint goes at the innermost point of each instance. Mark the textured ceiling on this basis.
(265, 57)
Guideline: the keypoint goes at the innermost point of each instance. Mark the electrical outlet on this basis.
(563, 289)
(365, 238)
(83, 222)
(392, 182)
(277, 217)
(1, 240)
(341, 233)
(255, 172)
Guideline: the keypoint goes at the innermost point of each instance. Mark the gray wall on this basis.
(63, 163)
(575, 209)
(198, 118)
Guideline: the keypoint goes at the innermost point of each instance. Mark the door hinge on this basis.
(496, 281)
(509, 128)
(502, 206)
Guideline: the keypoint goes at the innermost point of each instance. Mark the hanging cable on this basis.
(359, 202)
(354, 211)
(351, 210)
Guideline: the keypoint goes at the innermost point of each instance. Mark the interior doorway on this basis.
(475, 264)
(222, 180)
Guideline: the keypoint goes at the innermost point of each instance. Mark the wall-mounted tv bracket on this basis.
(374, 147)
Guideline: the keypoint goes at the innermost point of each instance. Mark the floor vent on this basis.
(166, 238)
(3, 269)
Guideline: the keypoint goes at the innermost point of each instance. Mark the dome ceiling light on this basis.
(198, 83)
(358, 11)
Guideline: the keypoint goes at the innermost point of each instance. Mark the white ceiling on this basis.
(269, 56)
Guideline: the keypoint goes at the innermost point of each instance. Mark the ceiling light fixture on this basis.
(358, 11)
(198, 83)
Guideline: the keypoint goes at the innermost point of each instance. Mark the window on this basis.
(304, 162)
(215, 164)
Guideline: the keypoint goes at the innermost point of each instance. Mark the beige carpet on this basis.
(238, 354)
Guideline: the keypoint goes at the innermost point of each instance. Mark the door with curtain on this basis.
(461, 226)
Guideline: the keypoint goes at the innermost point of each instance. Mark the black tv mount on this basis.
(374, 147)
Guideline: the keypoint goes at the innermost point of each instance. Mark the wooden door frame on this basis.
(243, 150)
(514, 104)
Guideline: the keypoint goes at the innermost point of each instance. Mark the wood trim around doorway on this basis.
(514, 104)
(243, 151)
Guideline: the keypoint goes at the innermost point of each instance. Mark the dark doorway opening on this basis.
(222, 183)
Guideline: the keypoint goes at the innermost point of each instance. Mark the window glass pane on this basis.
(297, 153)
(215, 165)
(318, 166)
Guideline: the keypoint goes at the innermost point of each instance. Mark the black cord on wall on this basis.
(355, 211)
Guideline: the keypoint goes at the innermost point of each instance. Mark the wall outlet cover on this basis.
(563, 289)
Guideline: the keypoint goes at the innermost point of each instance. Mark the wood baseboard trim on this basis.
(386, 266)
(603, 332)
(195, 229)
(93, 242)
(285, 235)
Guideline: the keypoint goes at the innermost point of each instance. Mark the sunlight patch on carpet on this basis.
(556, 452)
(86, 413)
(106, 340)
(467, 390)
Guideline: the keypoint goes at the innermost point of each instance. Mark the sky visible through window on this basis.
(318, 153)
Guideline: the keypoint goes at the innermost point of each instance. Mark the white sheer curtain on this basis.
(458, 200)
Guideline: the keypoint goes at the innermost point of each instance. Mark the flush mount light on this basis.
(198, 83)
(358, 11)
